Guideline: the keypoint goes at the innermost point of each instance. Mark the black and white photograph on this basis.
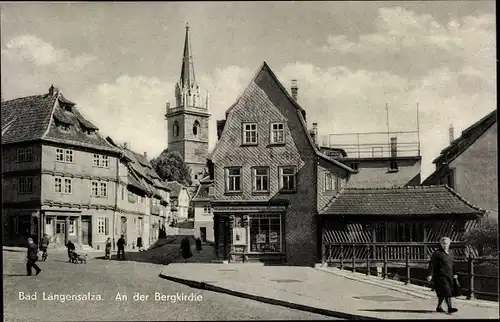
(257, 160)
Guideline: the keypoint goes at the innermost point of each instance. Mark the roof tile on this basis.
(422, 200)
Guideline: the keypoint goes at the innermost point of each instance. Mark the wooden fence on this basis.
(408, 256)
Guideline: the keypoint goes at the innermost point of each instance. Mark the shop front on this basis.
(61, 227)
(249, 233)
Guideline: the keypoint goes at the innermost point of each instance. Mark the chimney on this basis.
(451, 131)
(125, 145)
(394, 147)
(315, 133)
(167, 107)
(295, 89)
(146, 155)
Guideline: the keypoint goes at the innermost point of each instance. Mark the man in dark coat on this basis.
(121, 247)
(442, 273)
(32, 257)
(186, 248)
(71, 249)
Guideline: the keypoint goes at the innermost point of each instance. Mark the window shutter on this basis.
(106, 226)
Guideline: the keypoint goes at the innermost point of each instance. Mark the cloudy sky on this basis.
(120, 61)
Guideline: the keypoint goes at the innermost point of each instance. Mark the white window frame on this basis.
(282, 177)
(68, 186)
(64, 155)
(68, 156)
(24, 154)
(333, 181)
(59, 155)
(247, 131)
(101, 225)
(97, 160)
(207, 209)
(269, 217)
(25, 185)
(103, 189)
(58, 185)
(229, 177)
(256, 177)
(277, 131)
(101, 161)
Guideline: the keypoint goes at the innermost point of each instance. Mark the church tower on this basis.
(187, 121)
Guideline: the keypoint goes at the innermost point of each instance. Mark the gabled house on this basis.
(266, 169)
(59, 173)
(469, 165)
(203, 215)
(180, 200)
(142, 201)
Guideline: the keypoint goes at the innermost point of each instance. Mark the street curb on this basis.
(390, 287)
(291, 305)
(397, 288)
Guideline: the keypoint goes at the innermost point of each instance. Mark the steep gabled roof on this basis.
(300, 113)
(175, 188)
(403, 201)
(34, 118)
(203, 189)
(468, 137)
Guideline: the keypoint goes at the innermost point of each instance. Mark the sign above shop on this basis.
(255, 209)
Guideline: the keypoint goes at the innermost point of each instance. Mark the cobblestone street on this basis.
(107, 279)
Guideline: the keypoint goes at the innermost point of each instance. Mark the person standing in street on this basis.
(186, 249)
(121, 247)
(107, 249)
(44, 246)
(32, 257)
(442, 274)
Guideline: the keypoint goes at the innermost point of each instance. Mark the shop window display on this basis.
(265, 234)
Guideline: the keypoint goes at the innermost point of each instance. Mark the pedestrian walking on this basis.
(198, 245)
(139, 243)
(186, 249)
(107, 249)
(71, 249)
(442, 274)
(44, 246)
(121, 247)
(32, 258)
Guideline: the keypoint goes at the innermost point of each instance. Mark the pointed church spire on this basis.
(187, 71)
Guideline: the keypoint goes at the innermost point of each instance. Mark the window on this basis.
(63, 155)
(332, 181)
(104, 189)
(60, 227)
(354, 166)
(196, 128)
(101, 225)
(99, 189)
(277, 133)
(265, 233)
(233, 179)
(57, 185)
(60, 155)
(141, 199)
(24, 155)
(101, 161)
(260, 179)
(123, 192)
(206, 209)
(72, 227)
(287, 179)
(68, 156)
(393, 166)
(195, 177)
(67, 185)
(249, 133)
(25, 185)
(175, 129)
